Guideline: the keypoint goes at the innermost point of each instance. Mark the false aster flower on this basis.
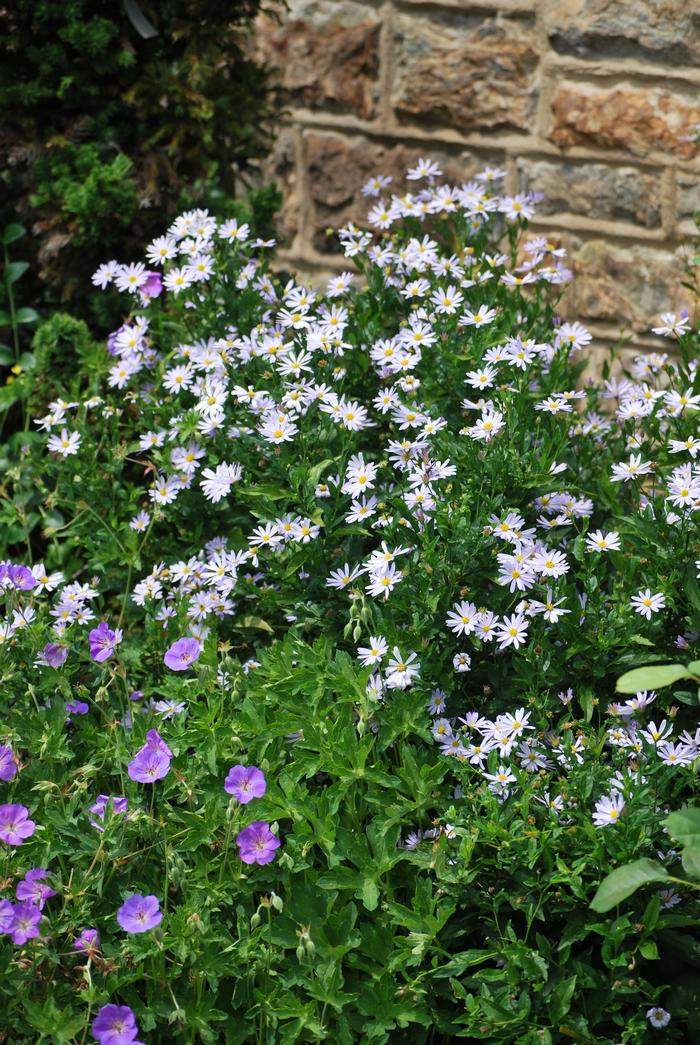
(658, 1017)
(139, 913)
(257, 844)
(245, 783)
(181, 654)
(169, 708)
(15, 825)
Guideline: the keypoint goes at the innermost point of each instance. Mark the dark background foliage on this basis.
(116, 117)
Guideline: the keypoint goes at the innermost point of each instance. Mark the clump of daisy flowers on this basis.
(383, 546)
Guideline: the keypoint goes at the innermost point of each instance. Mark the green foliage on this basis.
(66, 356)
(683, 827)
(442, 836)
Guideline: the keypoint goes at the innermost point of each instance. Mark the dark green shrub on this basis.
(118, 116)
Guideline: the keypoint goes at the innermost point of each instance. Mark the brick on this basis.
(280, 167)
(466, 71)
(593, 190)
(628, 286)
(663, 31)
(688, 199)
(327, 55)
(338, 168)
(627, 118)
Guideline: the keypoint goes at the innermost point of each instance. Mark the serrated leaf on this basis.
(654, 676)
(624, 881)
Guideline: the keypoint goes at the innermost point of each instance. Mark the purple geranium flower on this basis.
(88, 941)
(54, 655)
(77, 707)
(32, 887)
(15, 825)
(149, 764)
(138, 914)
(154, 738)
(26, 923)
(181, 654)
(102, 641)
(7, 916)
(257, 843)
(8, 766)
(119, 805)
(115, 1025)
(245, 783)
(153, 286)
(21, 577)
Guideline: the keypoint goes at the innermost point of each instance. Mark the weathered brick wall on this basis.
(584, 100)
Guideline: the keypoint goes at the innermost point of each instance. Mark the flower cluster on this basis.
(438, 540)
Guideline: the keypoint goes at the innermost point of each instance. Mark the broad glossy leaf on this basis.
(624, 881)
(654, 676)
(684, 826)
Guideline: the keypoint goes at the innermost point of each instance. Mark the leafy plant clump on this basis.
(310, 729)
(119, 115)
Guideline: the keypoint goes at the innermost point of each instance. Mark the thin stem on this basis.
(11, 303)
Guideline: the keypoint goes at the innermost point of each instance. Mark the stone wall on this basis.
(586, 101)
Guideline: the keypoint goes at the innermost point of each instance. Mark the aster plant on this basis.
(343, 582)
